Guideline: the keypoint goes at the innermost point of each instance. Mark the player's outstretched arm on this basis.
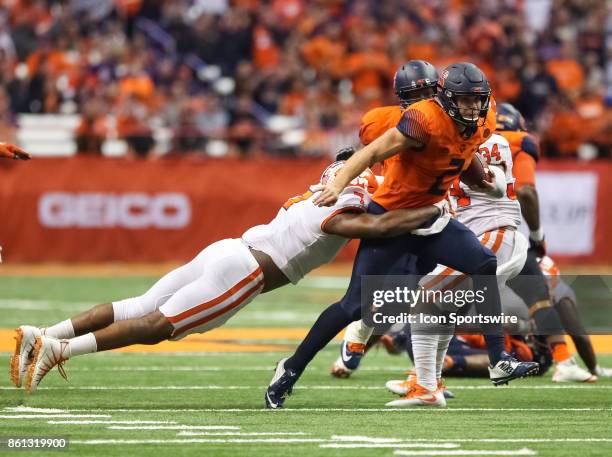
(388, 144)
(389, 224)
(530, 207)
(10, 151)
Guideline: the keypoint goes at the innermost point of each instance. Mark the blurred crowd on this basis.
(293, 77)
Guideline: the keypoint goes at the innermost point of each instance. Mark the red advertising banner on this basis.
(93, 209)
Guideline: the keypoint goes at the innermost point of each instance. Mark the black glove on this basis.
(345, 153)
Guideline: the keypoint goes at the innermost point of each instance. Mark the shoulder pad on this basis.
(530, 146)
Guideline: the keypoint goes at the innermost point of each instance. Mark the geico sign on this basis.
(101, 210)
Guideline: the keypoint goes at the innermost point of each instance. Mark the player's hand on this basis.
(345, 153)
(13, 152)
(328, 196)
(486, 186)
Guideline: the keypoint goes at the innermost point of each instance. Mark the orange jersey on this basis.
(419, 178)
(525, 153)
(377, 121)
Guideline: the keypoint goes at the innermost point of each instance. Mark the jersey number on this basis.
(457, 165)
(490, 155)
(463, 199)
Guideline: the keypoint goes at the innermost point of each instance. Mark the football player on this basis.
(494, 219)
(530, 285)
(433, 143)
(222, 279)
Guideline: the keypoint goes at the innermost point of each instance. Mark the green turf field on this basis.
(212, 403)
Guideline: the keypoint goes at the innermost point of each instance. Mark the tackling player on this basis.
(433, 143)
(221, 280)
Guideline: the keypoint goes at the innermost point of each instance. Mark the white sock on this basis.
(444, 339)
(424, 349)
(63, 331)
(84, 344)
(358, 332)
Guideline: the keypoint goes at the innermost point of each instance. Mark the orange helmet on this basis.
(366, 180)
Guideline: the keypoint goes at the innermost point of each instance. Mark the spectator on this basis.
(215, 69)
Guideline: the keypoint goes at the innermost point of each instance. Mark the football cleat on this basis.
(420, 396)
(48, 353)
(280, 386)
(400, 387)
(442, 388)
(603, 372)
(25, 338)
(508, 368)
(339, 370)
(349, 359)
(351, 354)
(569, 371)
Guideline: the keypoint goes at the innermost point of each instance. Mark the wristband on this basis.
(537, 235)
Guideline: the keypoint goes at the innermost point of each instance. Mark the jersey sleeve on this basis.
(367, 130)
(414, 124)
(524, 170)
(352, 199)
(376, 122)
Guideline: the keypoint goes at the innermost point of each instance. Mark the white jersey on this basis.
(295, 239)
(480, 212)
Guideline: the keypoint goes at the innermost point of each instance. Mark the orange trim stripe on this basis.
(446, 272)
(498, 240)
(204, 306)
(486, 238)
(346, 209)
(458, 280)
(217, 313)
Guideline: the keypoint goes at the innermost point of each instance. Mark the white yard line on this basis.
(174, 427)
(314, 387)
(349, 410)
(186, 368)
(48, 416)
(40, 305)
(28, 409)
(366, 439)
(520, 440)
(188, 433)
(388, 445)
(201, 441)
(89, 422)
(524, 451)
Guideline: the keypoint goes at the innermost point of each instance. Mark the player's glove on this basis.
(345, 153)
(537, 242)
(13, 152)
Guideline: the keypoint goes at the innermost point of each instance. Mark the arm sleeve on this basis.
(414, 124)
(352, 199)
